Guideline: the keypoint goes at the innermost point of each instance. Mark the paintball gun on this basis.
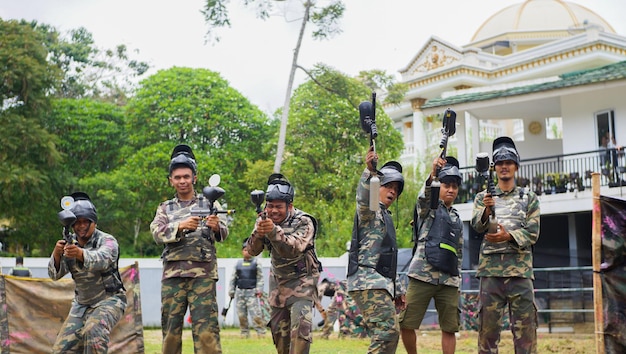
(258, 197)
(67, 219)
(485, 169)
(211, 192)
(448, 130)
(367, 113)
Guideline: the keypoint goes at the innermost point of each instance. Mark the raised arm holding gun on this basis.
(448, 130)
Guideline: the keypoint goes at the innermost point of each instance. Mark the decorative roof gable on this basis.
(434, 55)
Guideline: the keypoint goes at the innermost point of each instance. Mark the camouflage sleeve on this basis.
(255, 244)
(102, 257)
(293, 244)
(477, 213)
(363, 197)
(163, 231)
(423, 202)
(233, 282)
(259, 278)
(528, 234)
(52, 271)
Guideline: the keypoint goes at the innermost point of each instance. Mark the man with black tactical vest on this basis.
(100, 298)
(20, 270)
(189, 259)
(373, 256)
(289, 235)
(434, 272)
(246, 285)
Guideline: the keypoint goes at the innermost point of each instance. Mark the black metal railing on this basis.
(555, 174)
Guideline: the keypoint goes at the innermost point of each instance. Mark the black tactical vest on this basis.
(388, 261)
(246, 274)
(442, 242)
(20, 272)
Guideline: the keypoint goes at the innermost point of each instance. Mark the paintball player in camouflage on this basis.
(289, 235)
(505, 264)
(100, 298)
(189, 260)
(345, 310)
(246, 285)
(434, 272)
(373, 257)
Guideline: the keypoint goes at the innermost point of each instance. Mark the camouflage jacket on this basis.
(372, 230)
(96, 274)
(295, 268)
(419, 268)
(520, 217)
(259, 279)
(186, 254)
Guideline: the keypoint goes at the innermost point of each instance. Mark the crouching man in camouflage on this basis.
(289, 235)
(189, 260)
(373, 257)
(100, 298)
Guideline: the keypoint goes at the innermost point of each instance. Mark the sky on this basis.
(254, 56)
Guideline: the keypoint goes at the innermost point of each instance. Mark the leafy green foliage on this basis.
(29, 157)
(325, 151)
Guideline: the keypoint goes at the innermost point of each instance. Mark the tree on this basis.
(328, 151)
(28, 153)
(324, 18)
(182, 105)
(89, 71)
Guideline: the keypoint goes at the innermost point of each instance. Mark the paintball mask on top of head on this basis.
(450, 172)
(392, 172)
(182, 156)
(279, 188)
(504, 150)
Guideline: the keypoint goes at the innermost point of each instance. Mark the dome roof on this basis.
(539, 15)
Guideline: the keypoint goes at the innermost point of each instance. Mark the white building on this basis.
(552, 75)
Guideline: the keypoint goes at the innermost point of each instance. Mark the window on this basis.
(554, 128)
(605, 126)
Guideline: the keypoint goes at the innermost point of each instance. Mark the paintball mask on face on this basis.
(392, 172)
(504, 150)
(182, 156)
(279, 188)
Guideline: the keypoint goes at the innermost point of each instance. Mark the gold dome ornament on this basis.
(534, 127)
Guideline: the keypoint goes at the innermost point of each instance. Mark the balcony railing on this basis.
(555, 174)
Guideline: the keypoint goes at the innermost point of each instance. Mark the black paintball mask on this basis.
(450, 172)
(279, 188)
(182, 156)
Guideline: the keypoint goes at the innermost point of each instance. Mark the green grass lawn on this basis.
(428, 343)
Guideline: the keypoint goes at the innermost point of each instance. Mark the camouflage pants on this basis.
(87, 329)
(248, 303)
(199, 295)
(349, 317)
(379, 312)
(495, 294)
(291, 327)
